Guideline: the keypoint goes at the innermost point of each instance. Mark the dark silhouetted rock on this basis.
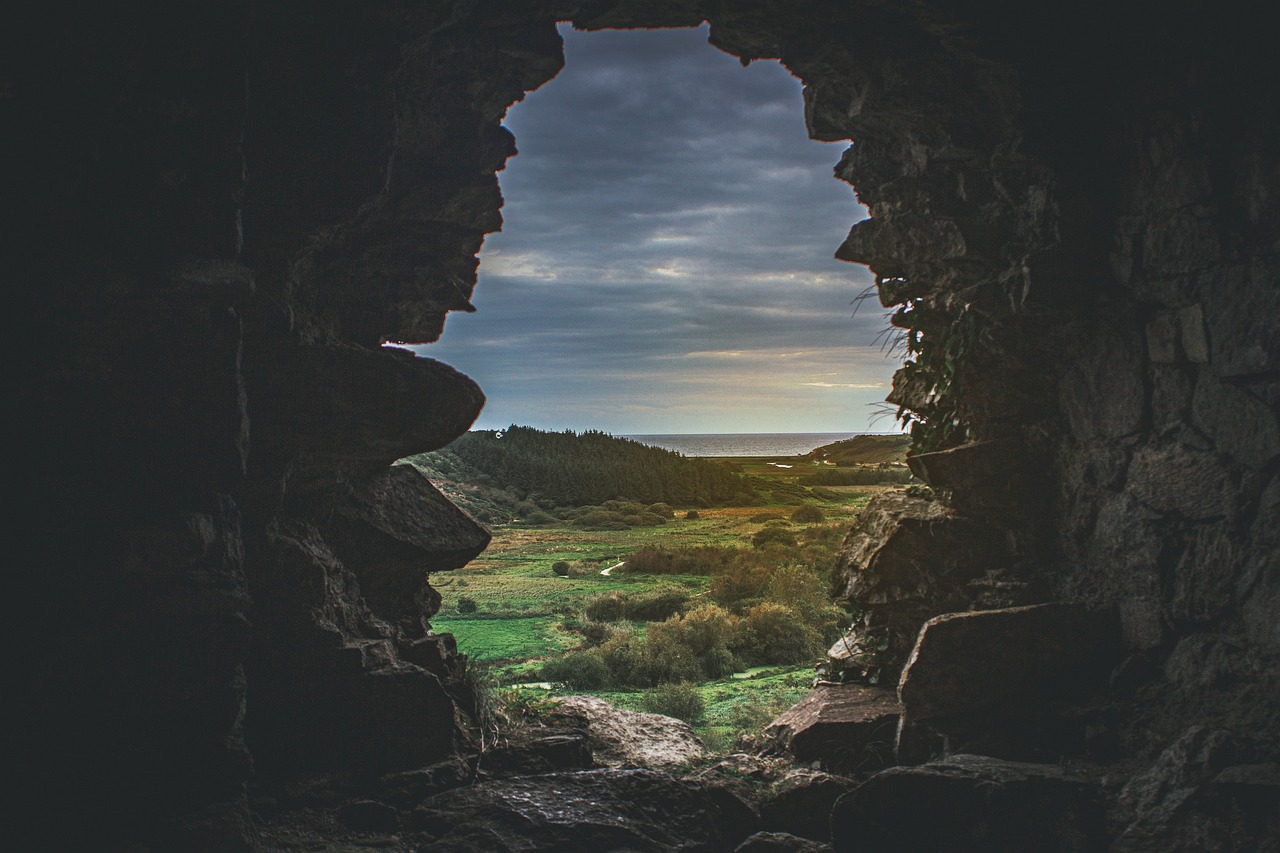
(539, 752)
(394, 529)
(985, 478)
(845, 726)
(781, 842)
(971, 802)
(800, 803)
(1160, 803)
(906, 560)
(592, 810)
(369, 816)
(407, 788)
(1006, 662)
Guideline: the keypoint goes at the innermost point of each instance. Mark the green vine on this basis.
(937, 349)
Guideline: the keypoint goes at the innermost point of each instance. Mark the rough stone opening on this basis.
(665, 263)
(220, 261)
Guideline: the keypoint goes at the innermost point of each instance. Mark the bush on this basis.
(741, 581)
(707, 632)
(681, 700)
(662, 509)
(609, 607)
(769, 536)
(636, 660)
(594, 632)
(651, 605)
(584, 670)
(774, 633)
(808, 514)
(561, 568)
(466, 604)
(691, 514)
(600, 519)
(699, 560)
(656, 604)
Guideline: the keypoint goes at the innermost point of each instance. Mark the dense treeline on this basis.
(572, 469)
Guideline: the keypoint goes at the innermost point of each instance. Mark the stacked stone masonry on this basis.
(222, 211)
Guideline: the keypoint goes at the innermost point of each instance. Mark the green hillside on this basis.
(865, 450)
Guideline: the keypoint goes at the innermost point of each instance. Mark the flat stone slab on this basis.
(846, 726)
(1005, 660)
(602, 810)
(972, 802)
(622, 738)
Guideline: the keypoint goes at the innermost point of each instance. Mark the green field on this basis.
(511, 613)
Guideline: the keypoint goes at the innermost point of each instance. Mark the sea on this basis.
(745, 443)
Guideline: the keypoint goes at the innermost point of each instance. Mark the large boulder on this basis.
(909, 558)
(845, 726)
(799, 803)
(971, 802)
(391, 531)
(1195, 796)
(606, 809)
(622, 738)
(1007, 663)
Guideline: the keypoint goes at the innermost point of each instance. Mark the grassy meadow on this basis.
(514, 615)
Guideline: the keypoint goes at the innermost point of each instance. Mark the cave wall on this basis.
(230, 208)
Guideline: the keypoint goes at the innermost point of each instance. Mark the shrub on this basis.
(691, 514)
(656, 604)
(561, 568)
(650, 605)
(662, 509)
(707, 633)
(770, 536)
(584, 670)
(808, 514)
(540, 518)
(699, 560)
(802, 590)
(594, 632)
(680, 700)
(606, 608)
(599, 519)
(774, 633)
(467, 604)
(739, 582)
(636, 660)
(860, 476)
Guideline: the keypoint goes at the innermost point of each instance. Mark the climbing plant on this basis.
(938, 348)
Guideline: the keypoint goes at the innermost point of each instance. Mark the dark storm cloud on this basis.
(666, 262)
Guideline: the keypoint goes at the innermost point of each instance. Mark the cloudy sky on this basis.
(666, 260)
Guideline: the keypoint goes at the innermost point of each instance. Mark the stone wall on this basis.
(225, 210)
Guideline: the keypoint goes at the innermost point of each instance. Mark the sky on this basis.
(665, 264)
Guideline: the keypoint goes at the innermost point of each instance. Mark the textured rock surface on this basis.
(1002, 661)
(799, 803)
(780, 842)
(906, 560)
(622, 738)
(970, 802)
(846, 726)
(592, 810)
(221, 211)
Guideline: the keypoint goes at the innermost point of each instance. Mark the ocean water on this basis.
(744, 443)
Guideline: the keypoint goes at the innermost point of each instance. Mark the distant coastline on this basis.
(745, 444)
